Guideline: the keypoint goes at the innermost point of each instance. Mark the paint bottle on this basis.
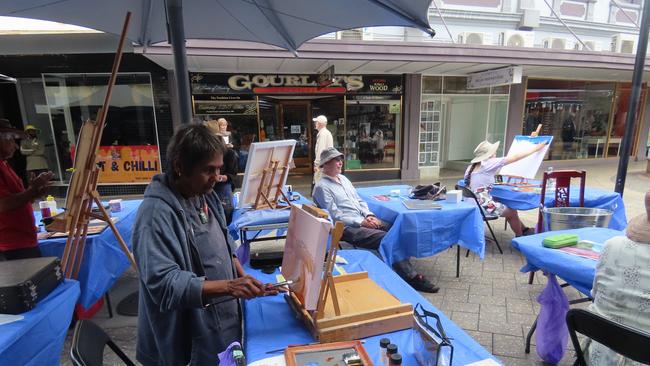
(383, 344)
(395, 359)
(391, 349)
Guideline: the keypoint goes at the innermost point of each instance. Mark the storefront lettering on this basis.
(248, 82)
(141, 166)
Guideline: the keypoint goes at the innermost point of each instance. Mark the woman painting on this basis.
(191, 282)
(479, 176)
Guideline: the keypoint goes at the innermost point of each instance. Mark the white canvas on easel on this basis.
(528, 166)
(260, 156)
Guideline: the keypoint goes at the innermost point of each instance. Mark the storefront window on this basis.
(430, 114)
(241, 114)
(454, 119)
(363, 111)
(372, 133)
(576, 113)
(621, 105)
(129, 146)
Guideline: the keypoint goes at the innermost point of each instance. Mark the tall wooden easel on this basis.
(82, 192)
(269, 175)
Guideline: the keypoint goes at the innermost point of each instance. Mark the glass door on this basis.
(296, 123)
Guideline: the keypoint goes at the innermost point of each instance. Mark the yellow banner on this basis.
(128, 164)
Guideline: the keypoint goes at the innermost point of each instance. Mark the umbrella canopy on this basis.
(283, 23)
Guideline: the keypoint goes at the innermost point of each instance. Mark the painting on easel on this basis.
(266, 173)
(304, 254)
(527, 167)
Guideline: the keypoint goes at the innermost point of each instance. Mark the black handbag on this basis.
(431, 345)
(25, 282)
(434, 192)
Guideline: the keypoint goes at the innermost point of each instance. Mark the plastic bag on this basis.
(552, 333)
(232, 356)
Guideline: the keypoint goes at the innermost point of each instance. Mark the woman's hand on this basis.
(245, 287)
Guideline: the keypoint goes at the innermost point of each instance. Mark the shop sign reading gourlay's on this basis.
(128, 164)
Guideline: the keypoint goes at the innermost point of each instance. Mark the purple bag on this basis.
(552, 333)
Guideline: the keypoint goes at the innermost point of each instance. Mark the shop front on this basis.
(364, 115)
(454, 119)
(586, 118)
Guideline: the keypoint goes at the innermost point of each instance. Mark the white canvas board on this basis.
(304, 254)
(260, 155)
(528, 166)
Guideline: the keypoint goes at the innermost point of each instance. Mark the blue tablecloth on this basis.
(270, 324)
(576, 271)
(104, 261)
(595, 198)
(423, 233)
(246, 216)
(38, 338)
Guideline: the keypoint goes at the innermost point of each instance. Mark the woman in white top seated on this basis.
(479, 176)
(621, 289)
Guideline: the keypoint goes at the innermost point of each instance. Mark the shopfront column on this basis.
(413, 90)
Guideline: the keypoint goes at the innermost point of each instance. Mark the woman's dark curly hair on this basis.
(191, 145)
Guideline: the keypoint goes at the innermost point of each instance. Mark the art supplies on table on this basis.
(560, 241)
(381, 197)
(582, 252)
(115, 205)
(350, 353)
(454, 196)
(421, 205)
(334, 308)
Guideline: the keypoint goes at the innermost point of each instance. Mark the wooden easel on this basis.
(358, 307)
(269, 175)
(82, 192)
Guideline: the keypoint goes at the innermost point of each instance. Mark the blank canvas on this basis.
(528, 166)
(260, 155)
(304, 254)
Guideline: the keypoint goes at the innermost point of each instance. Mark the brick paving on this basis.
(491, 300)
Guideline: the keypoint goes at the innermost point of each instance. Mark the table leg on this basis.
(529, 336)
(457, 261)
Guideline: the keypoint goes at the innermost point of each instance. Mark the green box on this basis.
(560, 241)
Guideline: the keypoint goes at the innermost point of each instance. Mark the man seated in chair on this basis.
(335, 193)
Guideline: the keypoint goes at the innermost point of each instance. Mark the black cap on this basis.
(396, 359)
(384, 342)
(391, 348)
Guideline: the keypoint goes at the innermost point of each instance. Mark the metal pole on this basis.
(626, 144)
(176, 31)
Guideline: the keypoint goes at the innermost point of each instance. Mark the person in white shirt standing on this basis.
(324, 140)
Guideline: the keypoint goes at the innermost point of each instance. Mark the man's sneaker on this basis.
(422, 284)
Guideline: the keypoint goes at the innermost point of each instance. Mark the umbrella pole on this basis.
(176, 36)
(626, 143)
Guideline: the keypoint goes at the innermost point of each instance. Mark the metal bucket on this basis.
(562, 218)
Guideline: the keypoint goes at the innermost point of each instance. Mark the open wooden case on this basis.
(350, 306)
(327, 354)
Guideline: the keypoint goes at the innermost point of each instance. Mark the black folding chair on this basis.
(626, 341)
(487, 217)
(88, 343)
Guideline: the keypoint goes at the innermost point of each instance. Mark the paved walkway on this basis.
(491, 300)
